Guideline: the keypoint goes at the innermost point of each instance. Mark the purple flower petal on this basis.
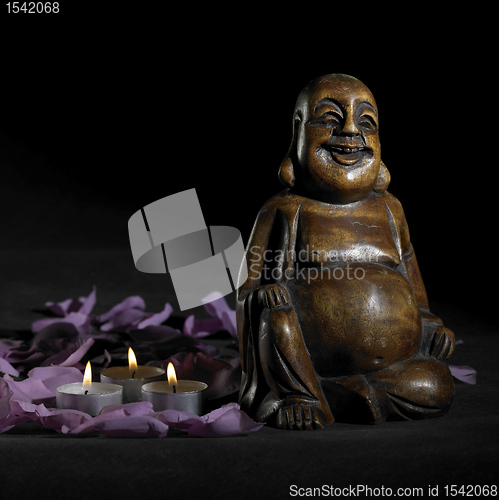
(5, 395)
(142, 426)
(223, 318)
(6, 367)
(222, 375)
(41, 324)
(216, 305)
(215, 302)
(64, 307)
(42, 383)
(103, 360)
(133, 302)
(198, 328)
(88, 303)
(180, 420)
(57, 419)
(79, 320)
(30, 390)
(207, 349)
(156, 319)
(464, 373)
(18, 414)
(224, 382)
(8, 345)
(133, 419)
(71, 355)
(53, 376)
(55, 330)
(229, 420)
(183, 363)
(83, 305)
(125, 319)
(155, 333)
(213, 364)
(26, 358)
(128, 409)
(51, 418)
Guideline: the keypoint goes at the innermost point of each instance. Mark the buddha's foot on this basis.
(300, 416)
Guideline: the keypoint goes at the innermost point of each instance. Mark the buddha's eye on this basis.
(330, 119)
(366, 122)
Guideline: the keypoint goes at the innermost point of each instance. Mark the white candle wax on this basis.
(188, 395)
(132, 380)
(90, 399)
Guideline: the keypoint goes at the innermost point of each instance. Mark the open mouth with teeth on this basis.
(345, 155)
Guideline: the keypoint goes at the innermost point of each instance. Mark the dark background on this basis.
(96, 123)
(103, 112)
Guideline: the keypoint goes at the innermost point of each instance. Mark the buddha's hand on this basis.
(441, 343)
(273, 296)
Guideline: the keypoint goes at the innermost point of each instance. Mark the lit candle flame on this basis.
(87, 377)
(132, 360)
(172, 376)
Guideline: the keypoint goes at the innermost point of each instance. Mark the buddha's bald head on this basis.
(336, 139)
(343, 88)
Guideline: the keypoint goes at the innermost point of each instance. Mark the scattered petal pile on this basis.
(126, 420)
(53, 357)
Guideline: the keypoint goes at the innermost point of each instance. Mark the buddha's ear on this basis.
(286, 170)
(384, 178)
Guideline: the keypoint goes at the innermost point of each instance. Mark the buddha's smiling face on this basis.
(337, 143)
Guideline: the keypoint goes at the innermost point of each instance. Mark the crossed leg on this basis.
(421, 387)
(415, 389)
(418, 388)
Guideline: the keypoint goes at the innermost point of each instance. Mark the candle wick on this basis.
(86, 392)
(174, 390)
(133, 375)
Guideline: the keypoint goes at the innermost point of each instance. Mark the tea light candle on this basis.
(132, 377)
(182, 395)
(87, 396)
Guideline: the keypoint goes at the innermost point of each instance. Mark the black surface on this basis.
(95, 124)
(460, 448)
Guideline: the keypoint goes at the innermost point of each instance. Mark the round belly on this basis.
(357, 318)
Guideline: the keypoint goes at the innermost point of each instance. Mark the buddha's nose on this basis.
(349, 126)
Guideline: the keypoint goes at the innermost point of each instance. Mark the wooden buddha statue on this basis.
(333, 319)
